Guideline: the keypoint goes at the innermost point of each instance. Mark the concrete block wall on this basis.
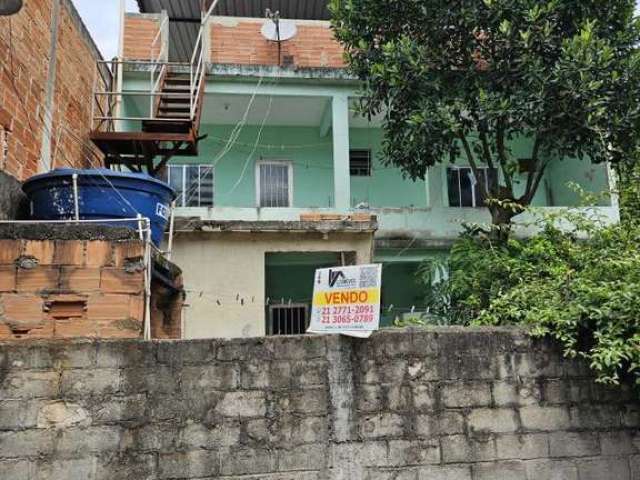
(443, 404)
(71, 288)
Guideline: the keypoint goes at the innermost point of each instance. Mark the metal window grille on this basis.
(464, 190)
(360, 163)
(194, 184)
(274, 184)
(288, 319)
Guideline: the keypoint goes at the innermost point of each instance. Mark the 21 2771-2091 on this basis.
(346, 314)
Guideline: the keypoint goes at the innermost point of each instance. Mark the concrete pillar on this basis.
(341, 177)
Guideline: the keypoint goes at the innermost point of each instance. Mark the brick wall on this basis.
(139, 32)
(25, 46)
(239, 41)
(445, 404)
(71, 288)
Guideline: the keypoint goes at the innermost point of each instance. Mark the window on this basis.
(273, 184)
(360, 163)
(193, 184)
(464, 190)
(288, 319)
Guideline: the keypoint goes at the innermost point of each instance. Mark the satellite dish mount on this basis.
(277, 30)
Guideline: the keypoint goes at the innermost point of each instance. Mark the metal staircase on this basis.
(172, 104)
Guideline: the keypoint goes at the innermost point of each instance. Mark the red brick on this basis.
(80, 279)
(126, 251)
(125, 328)
(22, 312)
(99, 253)
(41, 250)
(108, 307)
(38, 279)
(136, 307)
(7, 278)
(75, 328)
(10, 250)
(69, 252)
(117, 280)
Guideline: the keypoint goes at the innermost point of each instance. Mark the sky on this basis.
(102, 20)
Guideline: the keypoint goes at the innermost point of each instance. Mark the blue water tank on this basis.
(102, 194)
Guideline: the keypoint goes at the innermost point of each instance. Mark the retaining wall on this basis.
(413, 405)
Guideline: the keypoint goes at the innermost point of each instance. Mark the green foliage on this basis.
(468, 79)
(581, 287)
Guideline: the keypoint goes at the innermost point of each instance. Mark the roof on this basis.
(190, 9)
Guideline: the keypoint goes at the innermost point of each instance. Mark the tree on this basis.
(469, 77)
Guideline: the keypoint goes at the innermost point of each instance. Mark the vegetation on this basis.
(467, 81)
(581, 287)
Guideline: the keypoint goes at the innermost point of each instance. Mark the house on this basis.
(276, 174)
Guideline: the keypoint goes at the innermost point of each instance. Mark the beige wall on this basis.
(224, 275)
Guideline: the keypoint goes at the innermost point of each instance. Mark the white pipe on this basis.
(171, 227)
(76, 205)
(147, 283)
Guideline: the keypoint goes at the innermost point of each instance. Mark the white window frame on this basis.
(289, 166)
(473, 180)
(183, 166)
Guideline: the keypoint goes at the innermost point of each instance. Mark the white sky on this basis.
(102, 20)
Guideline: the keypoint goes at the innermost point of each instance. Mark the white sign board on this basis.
(346, 300)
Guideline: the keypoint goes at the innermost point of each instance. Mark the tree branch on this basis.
(502, 156)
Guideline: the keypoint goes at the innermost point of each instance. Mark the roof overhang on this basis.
(190, 10)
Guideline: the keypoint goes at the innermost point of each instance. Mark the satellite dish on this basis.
(9, 7)
(279, 31)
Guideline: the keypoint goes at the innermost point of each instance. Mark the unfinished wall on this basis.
(224, 275)
(46, 82)
(140, 30)
(423, 405)
(71, 288)
(239, 41)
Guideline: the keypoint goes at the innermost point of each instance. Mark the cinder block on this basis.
(383, 425)
(15, 469)
(512, 470)
(409, 453)
(7, 278)
(27, 384)
(79, 279)
(306, 457)
(545, 418)
(117, 280)
(545, 469)
(194, 464)
(462, 449)
(95, 382)
(69, 252)
(39, 279)
(494, 420)
(604, 468)
(246, 461)
(522, 447)
(41, 250)
(449, 472)
(99, 253)
(466, 394)
(574, 444)
(243, 404)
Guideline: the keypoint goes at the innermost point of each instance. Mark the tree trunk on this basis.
(501, 221)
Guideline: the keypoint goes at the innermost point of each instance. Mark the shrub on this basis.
(581, 287)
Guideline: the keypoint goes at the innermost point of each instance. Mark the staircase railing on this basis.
(159, 63)
(197, 66)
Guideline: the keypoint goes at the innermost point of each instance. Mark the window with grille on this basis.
(193, 184)
(464, 189)
(273, 184)
(360, 163)
(288, 319)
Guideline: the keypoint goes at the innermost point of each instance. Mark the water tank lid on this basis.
(94, 172)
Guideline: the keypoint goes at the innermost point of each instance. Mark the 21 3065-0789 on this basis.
(346, 314)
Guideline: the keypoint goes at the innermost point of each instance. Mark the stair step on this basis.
(177, 81)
